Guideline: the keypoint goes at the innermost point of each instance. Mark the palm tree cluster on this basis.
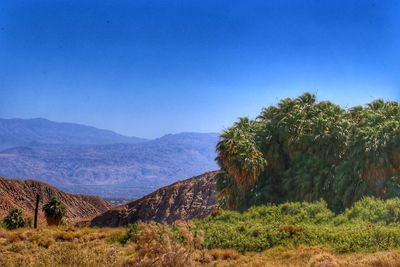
(302, 149)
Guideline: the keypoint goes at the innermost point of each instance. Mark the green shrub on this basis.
(373, 210)
(132, 231)
(15, 219)
(370, 225)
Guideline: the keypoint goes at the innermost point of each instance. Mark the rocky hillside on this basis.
(22, 194)
(183, 200)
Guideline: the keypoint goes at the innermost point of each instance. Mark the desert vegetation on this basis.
(54, 210)
(15, 219)
(305, 150)
(370, 225)
(288, 234)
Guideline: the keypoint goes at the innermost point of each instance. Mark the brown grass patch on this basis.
(157, 246)
(223, 254)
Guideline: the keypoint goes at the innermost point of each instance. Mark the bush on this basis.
(370, 225)
(15, 219)
(373, 210)
(131, 232)
(54, 211)
(157, 245)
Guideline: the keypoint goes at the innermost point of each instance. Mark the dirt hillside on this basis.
(183, 200)
(22, 194)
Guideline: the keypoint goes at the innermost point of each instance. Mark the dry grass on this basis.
(61, 246)
(314, 257)
(156, 246)
(223, 254)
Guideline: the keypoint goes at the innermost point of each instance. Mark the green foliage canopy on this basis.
(54, 209)
(302, 149)
(15, 219)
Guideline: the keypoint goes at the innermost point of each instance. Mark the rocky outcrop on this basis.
(183, 200)
(22, 194)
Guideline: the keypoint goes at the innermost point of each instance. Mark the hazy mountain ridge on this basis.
(153, 163)
(26, 132)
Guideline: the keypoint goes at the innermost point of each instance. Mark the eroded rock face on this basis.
(22, 194)
(183, 200)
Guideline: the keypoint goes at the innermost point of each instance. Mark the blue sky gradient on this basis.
(147, 68)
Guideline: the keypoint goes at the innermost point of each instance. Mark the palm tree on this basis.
(54, 211)
(15, 219)
(238, 153)
(313, 150)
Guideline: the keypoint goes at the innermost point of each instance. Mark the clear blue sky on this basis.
(147, 68)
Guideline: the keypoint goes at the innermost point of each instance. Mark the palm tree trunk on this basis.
(36, 211)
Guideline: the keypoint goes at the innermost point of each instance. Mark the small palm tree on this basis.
(15, 219)
(54, 211)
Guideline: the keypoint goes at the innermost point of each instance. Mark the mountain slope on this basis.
(24, 132)
(183, 200)
(22, 194)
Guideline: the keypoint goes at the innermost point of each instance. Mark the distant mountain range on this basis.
(25, 132)
(84, 159)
